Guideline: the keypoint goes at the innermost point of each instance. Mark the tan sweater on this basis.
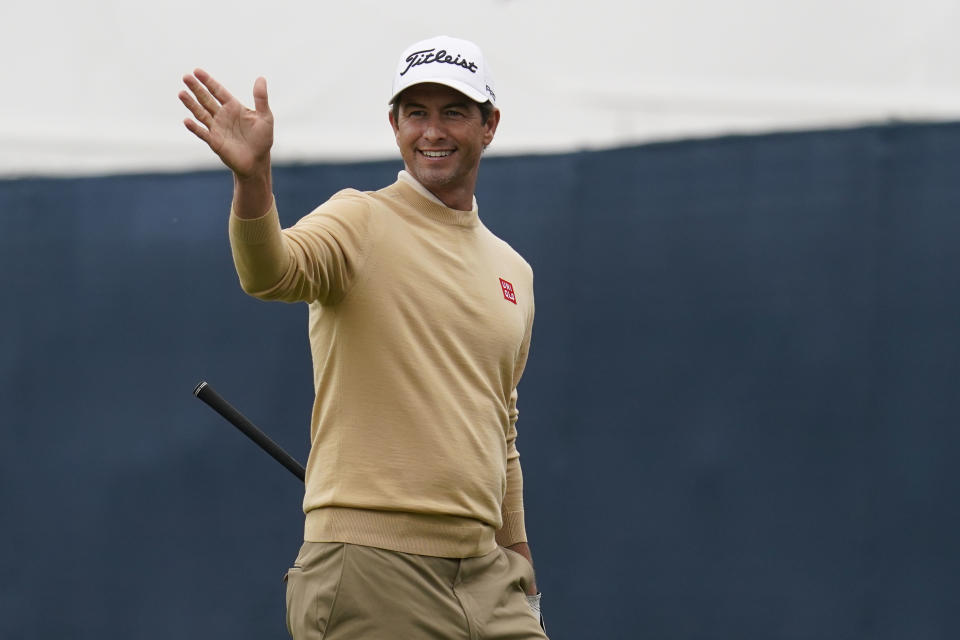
(419, 325)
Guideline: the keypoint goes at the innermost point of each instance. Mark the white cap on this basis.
(456, 63)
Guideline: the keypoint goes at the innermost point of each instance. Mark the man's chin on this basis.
(433, 177)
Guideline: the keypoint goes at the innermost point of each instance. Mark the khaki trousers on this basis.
(339, 591)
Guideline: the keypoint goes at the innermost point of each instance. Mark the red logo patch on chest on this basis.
(508, 293)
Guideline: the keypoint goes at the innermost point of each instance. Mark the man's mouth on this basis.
(436, 154)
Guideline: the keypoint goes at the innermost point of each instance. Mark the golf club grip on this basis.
(216, 402)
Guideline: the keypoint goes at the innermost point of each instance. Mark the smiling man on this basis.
(419, 324)
(443, 122)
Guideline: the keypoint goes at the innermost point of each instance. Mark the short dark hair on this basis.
(486, 109)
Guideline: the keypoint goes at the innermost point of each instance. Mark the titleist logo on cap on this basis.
(426, 56)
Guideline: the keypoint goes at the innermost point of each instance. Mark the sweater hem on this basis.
(437, 535)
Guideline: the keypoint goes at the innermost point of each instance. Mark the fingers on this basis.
(217, 90)
(205, 104)
(211, 95)
(199, 112)
(201, 132)
(260, 95)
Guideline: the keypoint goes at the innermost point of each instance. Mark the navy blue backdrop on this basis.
(739, 419)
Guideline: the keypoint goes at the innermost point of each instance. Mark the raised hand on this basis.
(241, 137)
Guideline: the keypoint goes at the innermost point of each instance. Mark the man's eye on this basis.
(454, 114)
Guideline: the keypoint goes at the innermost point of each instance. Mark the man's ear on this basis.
(491, 127)
(393, 123)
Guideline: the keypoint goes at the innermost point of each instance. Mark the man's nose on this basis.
(433, 129)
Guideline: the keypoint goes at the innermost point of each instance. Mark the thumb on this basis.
(260, 95)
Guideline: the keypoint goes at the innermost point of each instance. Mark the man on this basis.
(419, 323)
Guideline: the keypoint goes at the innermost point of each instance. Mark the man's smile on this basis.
(436, 154)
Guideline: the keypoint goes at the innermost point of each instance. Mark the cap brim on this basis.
(462, 87)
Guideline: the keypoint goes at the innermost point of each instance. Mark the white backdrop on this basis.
(90, 87)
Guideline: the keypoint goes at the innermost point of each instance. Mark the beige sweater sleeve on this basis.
(317, 259)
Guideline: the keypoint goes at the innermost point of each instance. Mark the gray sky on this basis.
(91, 87)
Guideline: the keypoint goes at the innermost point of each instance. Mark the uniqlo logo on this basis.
(508, 293)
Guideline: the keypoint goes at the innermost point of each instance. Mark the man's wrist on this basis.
(252, 194)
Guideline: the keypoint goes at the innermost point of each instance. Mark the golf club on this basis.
(216, 402)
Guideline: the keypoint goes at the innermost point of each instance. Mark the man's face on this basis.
(441, 137)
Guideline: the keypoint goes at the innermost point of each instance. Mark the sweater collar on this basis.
(431, 206)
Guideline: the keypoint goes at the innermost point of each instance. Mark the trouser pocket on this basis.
(312, 585)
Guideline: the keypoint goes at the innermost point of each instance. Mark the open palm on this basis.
(241, 137)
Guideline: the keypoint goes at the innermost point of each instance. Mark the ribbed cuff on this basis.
(513, 529)
(255, 231)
